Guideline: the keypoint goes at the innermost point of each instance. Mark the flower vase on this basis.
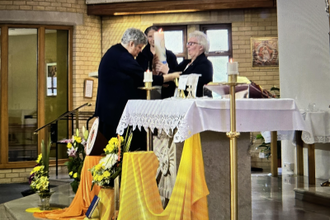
(44, 200)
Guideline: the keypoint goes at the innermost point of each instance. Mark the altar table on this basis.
(192, 116)
(185, 117)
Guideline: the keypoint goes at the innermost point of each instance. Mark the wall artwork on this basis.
(51, 73)
(264, 52)
(88, 88)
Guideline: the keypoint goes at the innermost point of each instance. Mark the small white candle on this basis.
(160, 46)
(232, 68)
(147, 76)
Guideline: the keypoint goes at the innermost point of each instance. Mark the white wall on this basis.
(303, 27)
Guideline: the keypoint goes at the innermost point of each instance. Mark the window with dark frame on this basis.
(172, 35)
(220, 37)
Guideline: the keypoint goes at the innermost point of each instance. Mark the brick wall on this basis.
(77, 6)
(257, 23)
(21, 175)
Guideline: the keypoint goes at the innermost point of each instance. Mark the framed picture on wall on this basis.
(264, 52)
(51, 74)
(88, 88)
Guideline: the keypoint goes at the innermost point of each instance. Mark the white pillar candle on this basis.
(232, 68)
(160, 46)
(147, 76)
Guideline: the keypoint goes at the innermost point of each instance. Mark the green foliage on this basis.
(74, 185)
(45, 154)
(265, 147)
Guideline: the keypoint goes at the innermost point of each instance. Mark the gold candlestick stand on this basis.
(233, 134)
(148, 87)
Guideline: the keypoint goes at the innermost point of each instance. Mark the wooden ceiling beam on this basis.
(170, 6)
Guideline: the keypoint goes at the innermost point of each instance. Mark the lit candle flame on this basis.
(160, 30)
(231, 60)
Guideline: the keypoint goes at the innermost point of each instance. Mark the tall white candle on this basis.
(147, 76)
(232, 68)
(160, 46)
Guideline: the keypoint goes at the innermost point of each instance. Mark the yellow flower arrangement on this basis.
(76, 153)
(109, 167)
(39, 176)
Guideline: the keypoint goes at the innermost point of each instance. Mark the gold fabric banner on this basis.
(139, 195)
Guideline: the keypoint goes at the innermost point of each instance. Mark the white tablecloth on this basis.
(317, 127)
(191, 116)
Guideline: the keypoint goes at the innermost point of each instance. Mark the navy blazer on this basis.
(119, 77)
(202, 66)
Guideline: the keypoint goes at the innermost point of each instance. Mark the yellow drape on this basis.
(139, 196)
(106, 203)
(83, 197)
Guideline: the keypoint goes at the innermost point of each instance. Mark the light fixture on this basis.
(93, 74)
(155, 12)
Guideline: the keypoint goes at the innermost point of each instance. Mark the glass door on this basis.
(56, 100)
(22, 94)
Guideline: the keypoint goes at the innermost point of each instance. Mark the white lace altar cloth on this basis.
(318, 126)
(191, 116)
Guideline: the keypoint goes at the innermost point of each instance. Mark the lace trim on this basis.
(167, 123)
(309, 139)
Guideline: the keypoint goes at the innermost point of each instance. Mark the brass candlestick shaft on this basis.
(233, 134)
(148, 87)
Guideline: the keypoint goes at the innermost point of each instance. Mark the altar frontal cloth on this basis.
(139, 195)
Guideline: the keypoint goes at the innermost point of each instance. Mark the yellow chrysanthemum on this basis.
(106, 174)
(110, 147)
(38, 168)
(39, 158)
(99, 178)
(98, 167)
(69, 145)
(121, 139)
(77, 139)
(113, 141)
(71, 173)
(75, 175)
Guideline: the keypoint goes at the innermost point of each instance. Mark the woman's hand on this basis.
(171, 76)
(162, 69)
(159, 68)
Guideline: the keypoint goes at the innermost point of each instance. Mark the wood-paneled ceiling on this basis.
(170, 6)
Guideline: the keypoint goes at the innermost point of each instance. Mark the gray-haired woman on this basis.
(198, 45)
(119, 77)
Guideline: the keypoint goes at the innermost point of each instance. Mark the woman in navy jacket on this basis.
(119, 77)
(198, 45)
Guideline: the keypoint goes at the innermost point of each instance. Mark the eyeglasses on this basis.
(191, 43)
